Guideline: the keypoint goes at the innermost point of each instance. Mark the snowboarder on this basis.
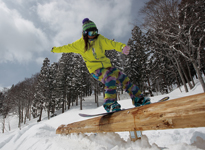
(91, 46)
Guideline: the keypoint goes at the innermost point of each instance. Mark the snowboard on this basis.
(107, 113)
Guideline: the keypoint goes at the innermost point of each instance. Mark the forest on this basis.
(167, 51)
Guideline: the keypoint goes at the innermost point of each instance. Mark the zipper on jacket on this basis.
(102, 64)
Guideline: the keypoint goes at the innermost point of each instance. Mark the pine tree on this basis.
(43, 93)
(61, 79)
(136, 62)
(54, 94)
(70, 66)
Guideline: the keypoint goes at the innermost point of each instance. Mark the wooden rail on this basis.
(185, 112)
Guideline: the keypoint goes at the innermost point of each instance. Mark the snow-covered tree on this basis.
(192, 33)
(54, 94)
(136, 66)
(43, 89)
(184, 34)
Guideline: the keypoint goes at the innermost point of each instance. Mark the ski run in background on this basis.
(42, 136)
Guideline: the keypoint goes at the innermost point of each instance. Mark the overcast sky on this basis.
(30, 28)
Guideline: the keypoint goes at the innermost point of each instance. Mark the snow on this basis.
(42, 136)
(1, 88)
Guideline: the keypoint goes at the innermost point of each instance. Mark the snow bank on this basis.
(42, 137)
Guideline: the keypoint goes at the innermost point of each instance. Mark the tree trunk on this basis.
(49, 109)
(72, 101)
(22, 114)
(193, 83)
(81, 102)
(199, 76)
(40, 114)
(150, 90)
(95, 95)
(29, 113)
(63, 105)
(68, 100)
(187, 79)
(19, 113)
(97, 100)
(181, 75)
(25, 118)
(76, 101)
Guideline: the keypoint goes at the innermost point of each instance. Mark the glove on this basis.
(52, 49)
(126, 50)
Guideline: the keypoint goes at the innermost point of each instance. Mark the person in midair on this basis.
(91, 46)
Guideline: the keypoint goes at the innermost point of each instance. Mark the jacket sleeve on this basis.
(110, 44)
(75, 47)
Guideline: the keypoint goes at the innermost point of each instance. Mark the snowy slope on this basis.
(41, 136)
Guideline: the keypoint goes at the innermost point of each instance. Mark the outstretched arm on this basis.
(75, 47)
(110, 45)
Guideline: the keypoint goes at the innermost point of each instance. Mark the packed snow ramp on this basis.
(185, 112)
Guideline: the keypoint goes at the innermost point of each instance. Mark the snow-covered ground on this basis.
(41, 136)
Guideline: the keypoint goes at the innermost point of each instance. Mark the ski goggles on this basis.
(92, 33)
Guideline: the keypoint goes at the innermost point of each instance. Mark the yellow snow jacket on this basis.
(94, 57)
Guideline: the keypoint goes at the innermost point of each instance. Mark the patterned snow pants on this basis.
(112, 76)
